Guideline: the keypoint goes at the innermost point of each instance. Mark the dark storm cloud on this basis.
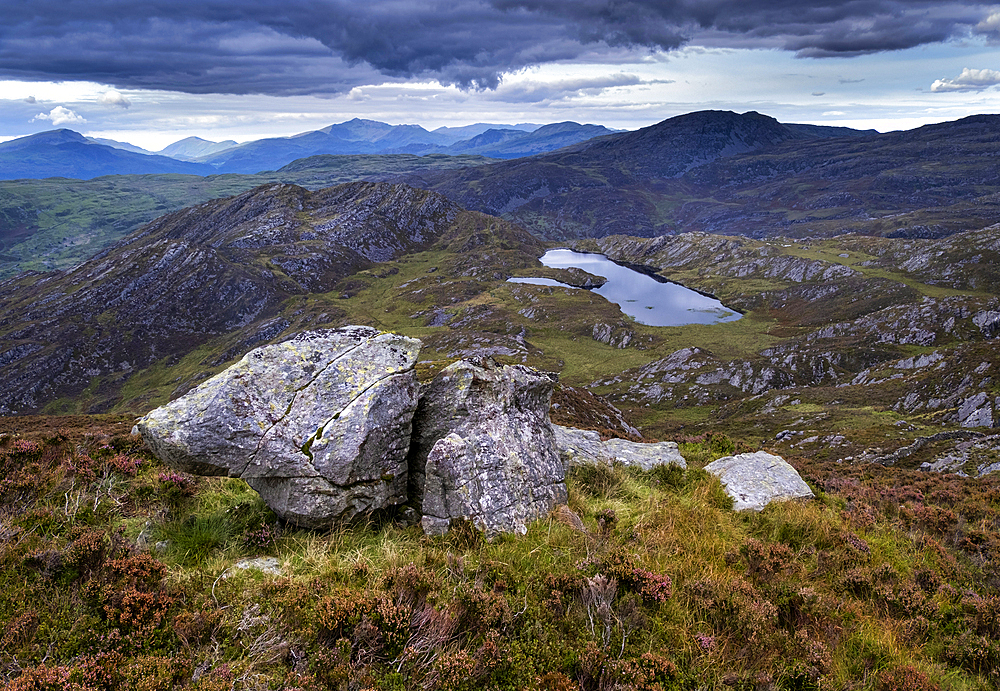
(317, 46)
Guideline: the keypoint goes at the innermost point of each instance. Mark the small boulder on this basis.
(584, 447)
(756, 479)
(319, 425)
(483, 448)
(266, 565)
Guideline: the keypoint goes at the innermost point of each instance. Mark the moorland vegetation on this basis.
(117, 572)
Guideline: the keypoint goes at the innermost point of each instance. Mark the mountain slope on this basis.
(600, 187)
(124, 146)
(746, 174)
(219, 270)
(64, 153)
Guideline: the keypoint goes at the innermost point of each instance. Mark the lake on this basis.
(644, 298)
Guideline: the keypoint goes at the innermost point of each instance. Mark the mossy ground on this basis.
(888, 580)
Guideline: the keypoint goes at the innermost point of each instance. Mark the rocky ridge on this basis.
(220, 273)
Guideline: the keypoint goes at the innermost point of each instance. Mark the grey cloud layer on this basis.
(329, 46)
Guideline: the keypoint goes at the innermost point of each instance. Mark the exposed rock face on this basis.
(584, 447)
(319, 425)
(756, 479)
(975, 455)
(483, 448)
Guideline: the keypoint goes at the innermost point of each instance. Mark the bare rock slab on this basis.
(584, 447)
(484, 450)
(319, 425)
(756, 479)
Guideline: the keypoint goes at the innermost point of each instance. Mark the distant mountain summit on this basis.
(65, 153)
(745, 174)
(671, 148)
(193, 148)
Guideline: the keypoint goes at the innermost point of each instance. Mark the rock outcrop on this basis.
(756, 479)
(484, 450)
(584, 447)
(319, 425)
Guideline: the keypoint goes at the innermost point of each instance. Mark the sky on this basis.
(151, 73)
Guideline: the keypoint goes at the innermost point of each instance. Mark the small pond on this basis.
(644, 298)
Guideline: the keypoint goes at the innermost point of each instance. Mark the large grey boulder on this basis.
(483, 448)
(584, 447)
(319, 425)
(756, 479)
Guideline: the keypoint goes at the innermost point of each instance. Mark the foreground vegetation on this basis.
(117, 572)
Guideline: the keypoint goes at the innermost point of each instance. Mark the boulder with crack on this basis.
(319, 425)
(756, 479)
(584, 447)
(483, 448)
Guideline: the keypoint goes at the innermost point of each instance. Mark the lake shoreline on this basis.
(650, 271)
(675, 307)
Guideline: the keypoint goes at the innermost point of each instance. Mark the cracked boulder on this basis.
(756, 479)
(483, 448)
(318, 425)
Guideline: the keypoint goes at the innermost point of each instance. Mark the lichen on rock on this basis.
(319, 425)
(584, 447)
(484, 449)
(756, 479)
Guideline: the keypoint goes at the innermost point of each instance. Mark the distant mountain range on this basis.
(745, 174)
(713, 171)
(64, 153)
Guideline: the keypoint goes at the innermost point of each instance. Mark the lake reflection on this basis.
(642, 297)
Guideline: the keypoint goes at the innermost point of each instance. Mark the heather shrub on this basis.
(666, 588)
(175, 487)
(765, 561)
(905, 678)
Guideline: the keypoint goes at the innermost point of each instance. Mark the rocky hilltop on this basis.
(843, 340)
(333, 425)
